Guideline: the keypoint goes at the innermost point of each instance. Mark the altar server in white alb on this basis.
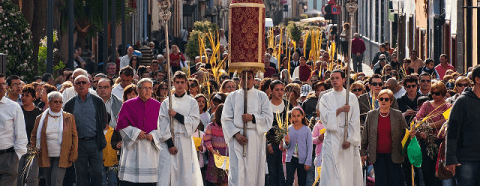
(178, 158)
(341, 164)
(137, 122)
(248, 170)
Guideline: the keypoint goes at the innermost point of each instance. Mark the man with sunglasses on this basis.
(365, 100)
(71, 92)
(425, 84)
(91, 118)
(378, 67)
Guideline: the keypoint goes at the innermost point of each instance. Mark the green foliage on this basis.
(294, 31)
(16, 41)
(199, 29)
(205, 26)
(42, 53)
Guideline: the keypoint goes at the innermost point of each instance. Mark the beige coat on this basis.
(69, 146)
(369, 135)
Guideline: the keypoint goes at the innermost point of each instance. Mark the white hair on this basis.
(54, 95)
(83, 72)
(160, 56)
(81, 76)
(143, 80)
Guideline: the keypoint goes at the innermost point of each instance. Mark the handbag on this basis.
(443, 174)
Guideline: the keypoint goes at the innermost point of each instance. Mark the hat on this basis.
(450, 85)
(305, 89)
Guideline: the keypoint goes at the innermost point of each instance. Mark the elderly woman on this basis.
(435, 109)
(228, 86)
(461, 83)
(382, 140)
(55, 134)
(357, 88)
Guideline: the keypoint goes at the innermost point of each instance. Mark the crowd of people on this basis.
(119, 128)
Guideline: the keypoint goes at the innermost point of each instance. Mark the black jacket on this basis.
(100, 117)
(404, 103)
(463, 131)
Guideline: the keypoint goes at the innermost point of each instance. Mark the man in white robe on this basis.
(248, 170)
(341, 164)
(137, 123)
(178, 163)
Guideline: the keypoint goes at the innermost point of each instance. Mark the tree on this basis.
(294, 31)
(15, 41)
(199, 28)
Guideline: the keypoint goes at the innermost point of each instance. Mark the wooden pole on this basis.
(413, 176)
(245, 89)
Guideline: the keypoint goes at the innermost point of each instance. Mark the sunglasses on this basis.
(388, 69)
(462, 85)
(377, 84)
(193, 85)
(381, 59)
(81, 83)
(407, 62)
(57, 102)
(411, 86)
(357, 90)
(384, 99)
(423, 81)
(436, 93)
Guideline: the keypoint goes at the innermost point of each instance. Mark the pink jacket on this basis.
(315, 134)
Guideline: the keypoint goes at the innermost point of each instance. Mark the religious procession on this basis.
(318, 101)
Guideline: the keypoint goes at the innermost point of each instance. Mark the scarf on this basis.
(40, 125)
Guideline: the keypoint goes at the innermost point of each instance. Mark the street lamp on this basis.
(165, 15)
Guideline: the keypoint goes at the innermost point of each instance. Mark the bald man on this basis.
(126, 59)
(395, 87)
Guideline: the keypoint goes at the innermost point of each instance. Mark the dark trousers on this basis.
(32, 178)
(275, 168)
(70, 176)
(54, 175)
(468, 173)
(8, 168)
(407, 173)
(387, 173)
(126, 183)
(428, 166)
(301, 173)
(357, 62)
(89, 164)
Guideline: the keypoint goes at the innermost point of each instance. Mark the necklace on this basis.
(54, 117)
(383, 115)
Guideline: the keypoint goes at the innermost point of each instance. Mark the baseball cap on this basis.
(305, 89)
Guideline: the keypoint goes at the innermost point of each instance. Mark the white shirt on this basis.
(118, 91)
(274, 61)
(125, 61)
(277, 108)
(70, 92)
(12, 127)
(52, 136)
(400, 93)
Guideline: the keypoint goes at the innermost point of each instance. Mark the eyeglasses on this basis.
(229, 87)
(423, 81)
(462, 85)
(78, 83)
(357, 90)
(57, 102)
(384, 99)
(411, 86)
(377, 84)
(436, 93)
(16, 84)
